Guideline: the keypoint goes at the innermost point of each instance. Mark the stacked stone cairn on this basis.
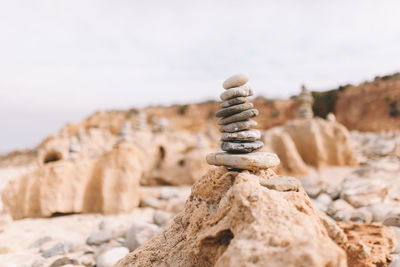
(125, 133)
(160, 125)
(141, 121)
(306, 101)
(239, 141)
(74, 147)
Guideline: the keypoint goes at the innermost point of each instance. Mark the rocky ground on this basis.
(88, 239)
(368, 193)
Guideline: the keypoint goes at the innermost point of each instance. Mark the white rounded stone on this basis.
(112, 256)
(236, 80)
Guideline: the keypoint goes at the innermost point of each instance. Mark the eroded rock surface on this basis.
(230, 219)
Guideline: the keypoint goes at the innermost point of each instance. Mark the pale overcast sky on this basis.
(61, 60)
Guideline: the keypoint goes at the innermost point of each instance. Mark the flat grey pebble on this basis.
(99, 237)
(392, 218)
(63, 262)
(58, 249)
(233, 101)
(242, 116)
(242, 136)
(241, 147)
(234, 109)
(238, 126)
(241, 91)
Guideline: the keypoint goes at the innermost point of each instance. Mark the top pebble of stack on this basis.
(236, 81)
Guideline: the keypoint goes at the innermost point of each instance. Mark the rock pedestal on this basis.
(238, 139)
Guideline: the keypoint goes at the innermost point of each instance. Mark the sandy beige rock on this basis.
(57, 187)
(109, 185)
(322, 143)
(178, 160)
(115, 180)
(368, 244)
(314, 142)
(277, 140)
(231, 220)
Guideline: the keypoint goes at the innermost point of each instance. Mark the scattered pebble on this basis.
(99, 237)
(161, 218)
(139, 233)
(112, 256)
(281, 183)
(58, 249)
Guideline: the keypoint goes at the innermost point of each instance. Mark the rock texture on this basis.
(230, 219)
(368, 244)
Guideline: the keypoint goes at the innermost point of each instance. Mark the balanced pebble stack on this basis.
(239, 141)
(236, 113)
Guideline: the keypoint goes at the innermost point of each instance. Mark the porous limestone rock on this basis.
(368, 245)
(232, 220)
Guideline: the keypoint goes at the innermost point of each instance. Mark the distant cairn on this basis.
(125, 132)
(141, 121)
(239, 141)
(306, 101)
(74, 147)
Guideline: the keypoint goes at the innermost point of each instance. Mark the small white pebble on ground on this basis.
(112, 256)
